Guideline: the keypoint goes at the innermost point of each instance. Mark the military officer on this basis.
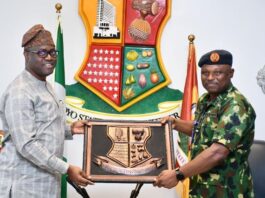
(222, 135)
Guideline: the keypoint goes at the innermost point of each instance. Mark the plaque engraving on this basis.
(129, 151)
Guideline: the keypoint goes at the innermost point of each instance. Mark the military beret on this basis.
(37, 36)
(216, 57)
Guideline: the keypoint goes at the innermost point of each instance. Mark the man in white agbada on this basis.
(31, 161)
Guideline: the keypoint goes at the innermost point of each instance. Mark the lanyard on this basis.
(198, 122)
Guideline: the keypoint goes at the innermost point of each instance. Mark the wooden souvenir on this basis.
(119, 151)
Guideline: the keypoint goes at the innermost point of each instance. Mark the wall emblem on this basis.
(123, 63)
(122, 66)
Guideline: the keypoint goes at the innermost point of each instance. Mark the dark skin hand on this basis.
(166, 179)
(75, 173)
(78, 126)
(78, 176)
(179, 125)
(206, 160)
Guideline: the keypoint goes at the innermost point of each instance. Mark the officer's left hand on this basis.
(166, 179)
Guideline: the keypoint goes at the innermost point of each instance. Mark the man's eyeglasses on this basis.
(43, 53)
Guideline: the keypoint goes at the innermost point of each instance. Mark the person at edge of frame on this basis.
(31, 162)
(222, 135)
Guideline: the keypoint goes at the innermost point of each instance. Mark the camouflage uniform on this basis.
(227, 120)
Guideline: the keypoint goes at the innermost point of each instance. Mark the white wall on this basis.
(235, 25)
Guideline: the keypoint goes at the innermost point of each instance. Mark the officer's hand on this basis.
(171, 119)
(166, 179)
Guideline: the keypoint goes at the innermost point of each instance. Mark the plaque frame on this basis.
(97, 142)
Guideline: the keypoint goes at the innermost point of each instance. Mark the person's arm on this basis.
(20, 116)
(223, 143)
(75, 128)
(180, 125)
(234, 124)
(204, 162)
(76, 174)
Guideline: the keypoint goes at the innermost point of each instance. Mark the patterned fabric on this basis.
(227, 120)
(37, 36)
(30, 162)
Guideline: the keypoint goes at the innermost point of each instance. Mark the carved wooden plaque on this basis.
(120, 151)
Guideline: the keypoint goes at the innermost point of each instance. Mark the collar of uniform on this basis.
(206, 102)
(32, 78)
(224, 94)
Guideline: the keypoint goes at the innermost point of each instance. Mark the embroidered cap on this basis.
(37, 36)
(216, 57)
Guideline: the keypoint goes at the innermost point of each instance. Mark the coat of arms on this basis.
(128, 154)
(123, 64)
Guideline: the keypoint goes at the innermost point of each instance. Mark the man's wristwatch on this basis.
(179, 175)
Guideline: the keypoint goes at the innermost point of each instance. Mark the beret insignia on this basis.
(214, 57)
